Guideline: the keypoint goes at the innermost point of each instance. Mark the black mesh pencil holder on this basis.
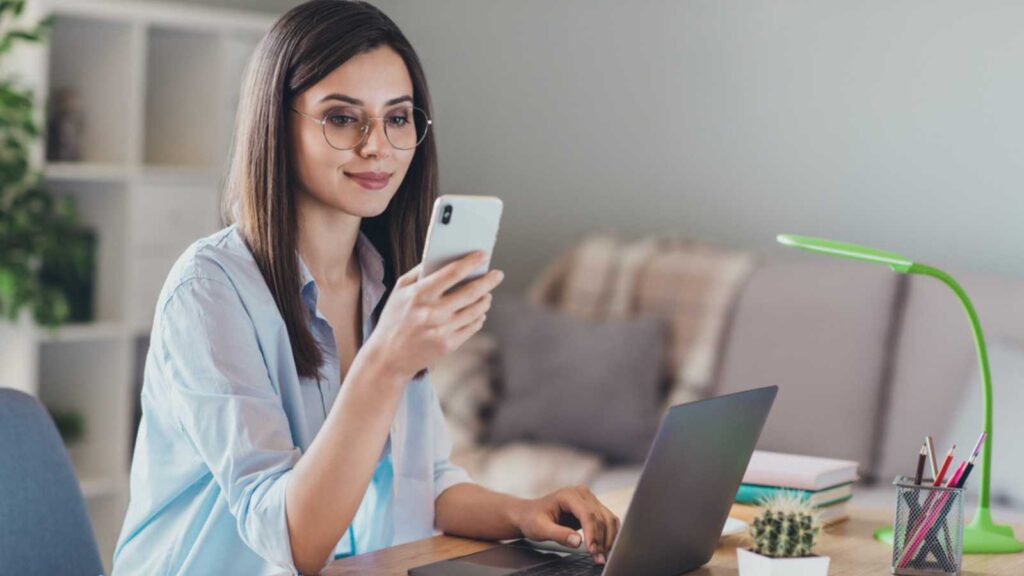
(929, 529)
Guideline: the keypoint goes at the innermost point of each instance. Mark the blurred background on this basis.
(647, 153)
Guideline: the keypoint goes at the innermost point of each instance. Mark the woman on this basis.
(287, 416)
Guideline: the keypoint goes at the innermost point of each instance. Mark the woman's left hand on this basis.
(551, 518)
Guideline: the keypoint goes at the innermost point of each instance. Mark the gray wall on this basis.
(898, 124)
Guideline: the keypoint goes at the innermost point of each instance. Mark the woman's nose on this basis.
(376, 141)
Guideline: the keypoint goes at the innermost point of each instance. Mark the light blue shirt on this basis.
(226, 418)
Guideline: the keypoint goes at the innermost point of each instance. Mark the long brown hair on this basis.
(305, 45)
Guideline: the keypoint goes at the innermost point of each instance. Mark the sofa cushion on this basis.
(592, 385)
(936, 358)
(818, 328)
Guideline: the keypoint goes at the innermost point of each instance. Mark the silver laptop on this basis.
(680, 505)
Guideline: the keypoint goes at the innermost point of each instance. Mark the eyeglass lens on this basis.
(345, 127)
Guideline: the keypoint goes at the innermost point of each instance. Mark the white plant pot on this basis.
(752, 564)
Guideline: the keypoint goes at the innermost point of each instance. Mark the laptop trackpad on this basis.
(493, 561)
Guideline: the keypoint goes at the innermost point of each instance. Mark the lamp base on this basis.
(981, 536)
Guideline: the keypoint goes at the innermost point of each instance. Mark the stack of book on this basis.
(824, 482)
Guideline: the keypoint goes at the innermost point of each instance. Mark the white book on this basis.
(797, 471)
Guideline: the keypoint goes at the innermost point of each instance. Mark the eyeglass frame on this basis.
(366, 128)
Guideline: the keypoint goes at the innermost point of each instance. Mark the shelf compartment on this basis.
(167, 216)
(102, 207)
(94, 58)
(90, 378)
(183, 87)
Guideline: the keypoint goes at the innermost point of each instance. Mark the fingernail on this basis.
(501, 275)
(574, 540)
(600, 558)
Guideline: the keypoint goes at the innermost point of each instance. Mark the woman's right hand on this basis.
(420, 323)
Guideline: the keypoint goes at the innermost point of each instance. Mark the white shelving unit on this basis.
(158, 85)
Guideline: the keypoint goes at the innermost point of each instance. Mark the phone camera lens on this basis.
(446, 215)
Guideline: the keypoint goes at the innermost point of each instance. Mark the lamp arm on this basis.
(986, 375)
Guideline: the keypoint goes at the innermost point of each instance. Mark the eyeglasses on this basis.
(347, 127)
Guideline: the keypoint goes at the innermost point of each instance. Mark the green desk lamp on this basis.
(982, 535)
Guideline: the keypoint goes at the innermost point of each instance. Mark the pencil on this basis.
(920, 465)
(931, 456)
(945, 466)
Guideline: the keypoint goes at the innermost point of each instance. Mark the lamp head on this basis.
(847, 250)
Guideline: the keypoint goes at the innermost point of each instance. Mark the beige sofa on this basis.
(867, 361)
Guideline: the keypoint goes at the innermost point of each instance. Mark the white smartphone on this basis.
(460, 225)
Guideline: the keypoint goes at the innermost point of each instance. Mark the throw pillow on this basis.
(592, 385)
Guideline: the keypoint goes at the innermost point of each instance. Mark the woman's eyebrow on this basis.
(358, 102)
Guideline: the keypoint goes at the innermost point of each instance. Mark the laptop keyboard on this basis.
(568, 566)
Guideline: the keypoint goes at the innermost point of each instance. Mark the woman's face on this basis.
(360, 181)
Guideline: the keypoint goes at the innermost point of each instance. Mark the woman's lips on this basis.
(370, 180)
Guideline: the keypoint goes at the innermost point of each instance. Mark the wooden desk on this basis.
(850, 545)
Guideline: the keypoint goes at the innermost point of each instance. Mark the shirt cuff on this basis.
(447, 475)
(270, 539)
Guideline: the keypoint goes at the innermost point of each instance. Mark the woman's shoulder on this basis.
(223, 258)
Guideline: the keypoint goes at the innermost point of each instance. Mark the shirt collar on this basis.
(371, 265)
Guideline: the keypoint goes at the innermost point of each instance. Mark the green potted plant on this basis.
(784, 536)
(46, 264)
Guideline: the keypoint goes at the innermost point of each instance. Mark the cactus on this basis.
(787, 528)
